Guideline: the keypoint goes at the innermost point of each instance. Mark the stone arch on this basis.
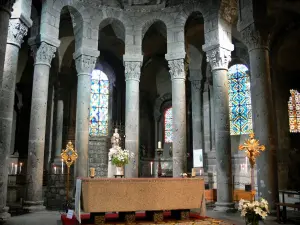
(159, 103)
(117, 26)
(155, 21)
(106, 68)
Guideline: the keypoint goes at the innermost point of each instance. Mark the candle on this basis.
(16, 168)
(200, 172)
(151, 167)
(62, 166)
(193, 172)
(21, 164)
(92, 172)
(159, 144)
(12, 168)
(54, 169)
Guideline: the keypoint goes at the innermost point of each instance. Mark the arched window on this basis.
(240, 109)
(99, 104)
(294, 111)
(168, 125)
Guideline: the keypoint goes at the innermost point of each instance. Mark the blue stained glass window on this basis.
(99, 104)
(168, 125)
(294, 111)
(240, 110)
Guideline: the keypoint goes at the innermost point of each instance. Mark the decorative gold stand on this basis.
(69, 156)
(252, 149)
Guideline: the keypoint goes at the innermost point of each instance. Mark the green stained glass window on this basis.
(99, 104)
(240, 110)
(168, 125)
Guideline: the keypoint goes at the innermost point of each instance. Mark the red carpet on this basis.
(113, 218)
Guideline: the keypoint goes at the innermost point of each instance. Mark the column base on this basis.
(34, 206)
(224, 207)
(4, 215)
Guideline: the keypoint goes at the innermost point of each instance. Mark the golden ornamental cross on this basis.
(252, 148)
(69, 155)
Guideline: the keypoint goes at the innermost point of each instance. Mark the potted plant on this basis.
(120, 158)
(254, 211)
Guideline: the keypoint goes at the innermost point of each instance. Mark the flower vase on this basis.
(252, 222)
(119, 170)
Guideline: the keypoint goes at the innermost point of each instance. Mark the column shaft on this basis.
(264, 124)
(7, 90)
(59, 126)
(179, 116)
(37, 130)
(132, 116)
(206, 120)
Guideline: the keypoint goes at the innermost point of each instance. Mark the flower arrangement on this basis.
(254, 211)
(121, 157)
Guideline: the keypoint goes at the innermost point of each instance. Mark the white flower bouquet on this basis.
(254, 211)
(121, 157)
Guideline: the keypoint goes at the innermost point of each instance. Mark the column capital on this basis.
(16, 32)
(255, 37)
(218, 57)
(132, 70)
(85, 64)
(7, 5)
(43, 54)
(177, 69)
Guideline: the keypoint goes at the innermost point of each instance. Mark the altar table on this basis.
(100, 195)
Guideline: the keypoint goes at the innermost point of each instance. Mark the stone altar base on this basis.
(141, 218)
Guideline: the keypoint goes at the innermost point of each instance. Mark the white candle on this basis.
(151, 167)
(16, 168)
(62, 166)
(200, 172)
(159, 145)
(20, 167)
(12, 168)
(54, 169)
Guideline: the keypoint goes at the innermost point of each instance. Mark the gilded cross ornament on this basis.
(252, 149)
(69, 155)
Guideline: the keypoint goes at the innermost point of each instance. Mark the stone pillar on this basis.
(206, 118)
(211, 108)
(219, 57)
(195, 78)
(59, 120)
(178, 77)
(132, 115)
(43, 57)
(263, 111)
(5, 13)
(17, 30)
(85, 65)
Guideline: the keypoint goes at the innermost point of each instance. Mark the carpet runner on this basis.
(112, 218)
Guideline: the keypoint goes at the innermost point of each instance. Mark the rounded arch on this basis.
(160, 24)
(159, 102)
(117, 26)
(240, 61)
(106, 68)
(187, 11)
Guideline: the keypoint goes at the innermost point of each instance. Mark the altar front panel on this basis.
(134, 194)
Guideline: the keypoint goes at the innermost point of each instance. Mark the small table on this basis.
(119, 176)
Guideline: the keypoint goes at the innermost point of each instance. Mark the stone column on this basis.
(263, 111)
(219, 57)
(85, 65)
(132, 115)
(195, 78)
(178, 77)
(5, 13)
(43, 57)
(17, 30)
(206, 118)
(59, 120)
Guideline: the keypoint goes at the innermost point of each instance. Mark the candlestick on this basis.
(16, 169)
(20, 167)
(54, 169)
(246, 164)
(62, 166)
(200, 172)
(151, 167)
(12, 168)
(92, 172)
(159, 144)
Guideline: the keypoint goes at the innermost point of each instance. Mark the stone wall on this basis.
(98, 155)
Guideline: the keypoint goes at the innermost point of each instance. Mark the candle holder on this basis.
(92, 172)
(159, 153)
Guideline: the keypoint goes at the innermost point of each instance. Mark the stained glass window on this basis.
(168, 125)
(99, 104)
(240, 110)
(294, 111)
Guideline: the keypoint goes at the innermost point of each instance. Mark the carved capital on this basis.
(16, 32)
(85, 64)
(132, 70)
(218, 58)
(44, 54)
(177, 69)
(7, 5)
(255, 37)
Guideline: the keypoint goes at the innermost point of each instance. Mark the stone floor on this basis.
(53, 218)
